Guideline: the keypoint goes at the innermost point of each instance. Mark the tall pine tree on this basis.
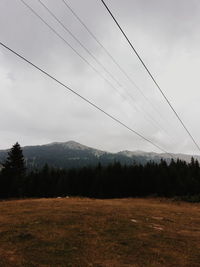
(14, 171)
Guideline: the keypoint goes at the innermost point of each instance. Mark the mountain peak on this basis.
(74, 145)
(70, 145)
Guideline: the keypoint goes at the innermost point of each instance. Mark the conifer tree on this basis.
(14, 170)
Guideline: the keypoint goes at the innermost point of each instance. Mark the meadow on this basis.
(83, 232)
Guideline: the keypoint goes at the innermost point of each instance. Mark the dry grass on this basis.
(77, 232)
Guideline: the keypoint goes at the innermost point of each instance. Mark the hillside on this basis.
(76, 232)
(72, 154)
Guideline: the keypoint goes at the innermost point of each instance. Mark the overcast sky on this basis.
(36, 110)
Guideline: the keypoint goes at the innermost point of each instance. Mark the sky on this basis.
(35, 110)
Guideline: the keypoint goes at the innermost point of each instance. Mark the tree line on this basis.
(176, 179)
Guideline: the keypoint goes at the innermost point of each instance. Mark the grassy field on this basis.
(77, 232)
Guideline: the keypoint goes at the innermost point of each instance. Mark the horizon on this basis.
(103, 150)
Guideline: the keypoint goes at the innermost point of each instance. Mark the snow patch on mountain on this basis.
(79, 147)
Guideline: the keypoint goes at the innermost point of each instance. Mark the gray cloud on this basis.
(35, 110)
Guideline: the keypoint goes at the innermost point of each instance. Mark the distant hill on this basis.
(72, 154)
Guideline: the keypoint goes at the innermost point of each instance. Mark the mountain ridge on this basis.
(73, 154)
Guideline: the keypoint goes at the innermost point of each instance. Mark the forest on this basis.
(174, 179)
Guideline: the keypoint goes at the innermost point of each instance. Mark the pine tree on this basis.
(14, 171)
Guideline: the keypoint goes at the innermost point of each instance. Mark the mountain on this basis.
(62, 155)
(72, 154)
(152, 156)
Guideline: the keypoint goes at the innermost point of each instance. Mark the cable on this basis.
(74, 50)
(98, 62)
(115, 62)
(83, 98)
(87, 62)
(150, 74)
(79, 42)
(108, 53)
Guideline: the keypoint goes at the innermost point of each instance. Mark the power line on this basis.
(83, 98)
(120, 68)
(150, 74)
(98, 62)
(86, 61)
(79, 42)
(110, 56)
(74, 50)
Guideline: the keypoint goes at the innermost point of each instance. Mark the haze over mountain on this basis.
(72, 154)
